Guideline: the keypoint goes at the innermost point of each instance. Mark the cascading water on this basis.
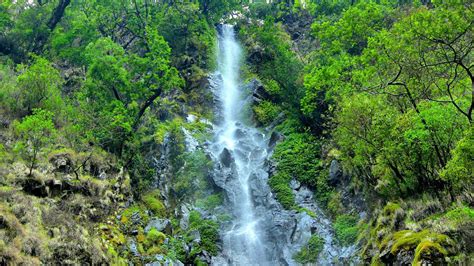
(260, 232)
(244, 240)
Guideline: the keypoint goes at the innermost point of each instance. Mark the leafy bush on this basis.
(280, 184)
(346, 229)
(35, 132)
(210, 202)
(310, 252)
(39, 87)
(266, 112)
(152, 202)
(191, 179)
(335, 206)
(297, 156)
(459, 170)
(154, 237)
(209, 231)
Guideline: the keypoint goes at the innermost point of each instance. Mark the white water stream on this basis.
(244, 240)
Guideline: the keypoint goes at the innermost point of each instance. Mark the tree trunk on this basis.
(58, 13)
(144, 107)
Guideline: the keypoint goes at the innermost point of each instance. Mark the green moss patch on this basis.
(152, 202)
(346, 229)
(310, 252)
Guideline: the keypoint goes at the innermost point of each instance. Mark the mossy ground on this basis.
(438, 236)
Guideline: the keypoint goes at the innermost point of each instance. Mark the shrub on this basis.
(297, 156)
(210, 202)
(154, 237)
(191, 179)
(208, 230)
(35, 131)
(153, 203)
(346, 229)
(266, 112)
(335, 206)
(423, 242)
(310, 252)
(39, 87)
(280, 185)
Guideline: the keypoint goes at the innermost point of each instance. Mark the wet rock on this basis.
(275, 137)
(240, 134)
(162, 225)
(258, 90)
(195, 236)
(190, 118)
(4, 122)
(335, 173)
(184, 221)
(226, 158)
(261, 193)
(295, 184)
(304, 195)
(205, 257)
(132, 246)
(136, 218)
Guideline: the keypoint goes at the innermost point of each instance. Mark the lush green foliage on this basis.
(152, 202)
(310, 252)
(389, 92)
(192, 179)
(277, 63)
(208, 231)
(266, 112)
(346, 229)
(35, 132)
(387, 89)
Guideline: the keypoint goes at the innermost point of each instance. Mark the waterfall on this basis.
(260, 231)
(240, 147)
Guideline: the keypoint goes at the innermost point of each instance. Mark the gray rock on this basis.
(295, 184)
(275, 137)
(226, 157)
(205, 257)
(184, 221)
(62, 163)
(162, 225)
(136, 218)
(335, 173)
(195, 236)
(132, 246)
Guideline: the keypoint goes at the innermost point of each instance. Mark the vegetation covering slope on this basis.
(90, 92)
(386, 89)
(374, 100)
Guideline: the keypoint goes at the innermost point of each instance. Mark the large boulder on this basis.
(335, 173)
(62, 162)
(226, 158)
(162, 225)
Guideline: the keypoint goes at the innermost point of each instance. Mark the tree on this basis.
(121, 87)
(35, 132)
(38, 87)
(459, 170)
